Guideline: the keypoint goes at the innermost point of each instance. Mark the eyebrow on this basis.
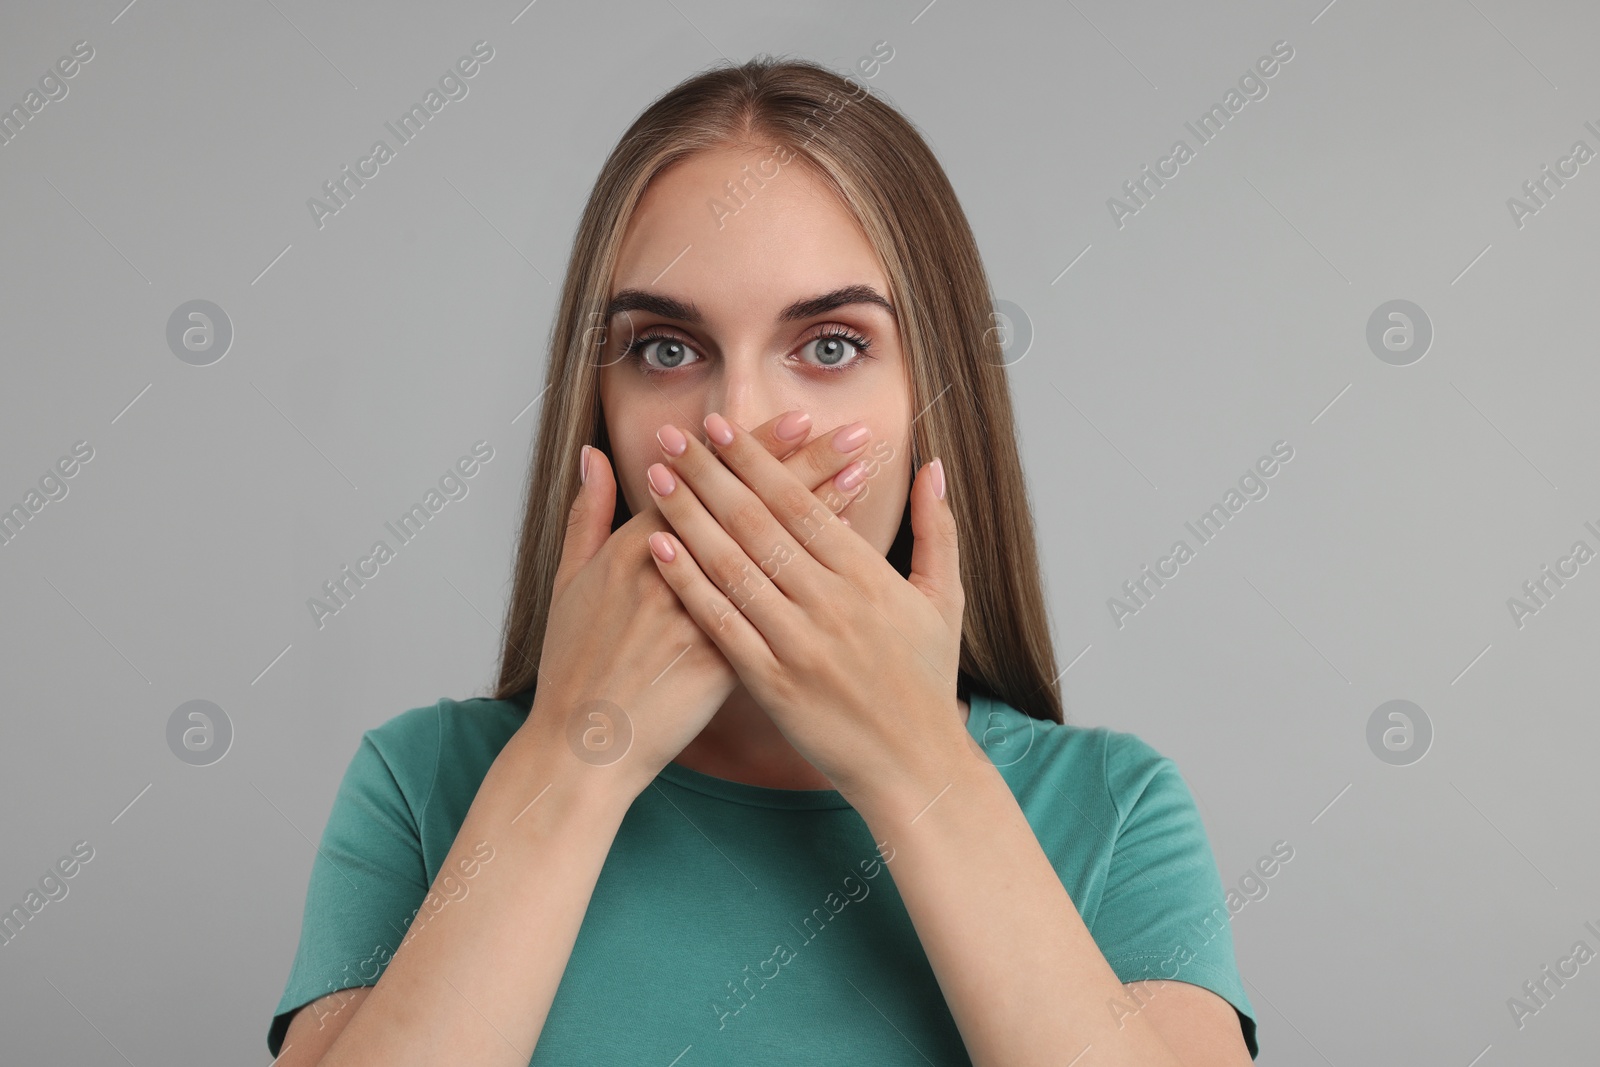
(669, 308)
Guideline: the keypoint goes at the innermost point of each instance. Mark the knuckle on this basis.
(746, 518)
(795, 501)
(739, 581)
(829, 496)
(818, 461)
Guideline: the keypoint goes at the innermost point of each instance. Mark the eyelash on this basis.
(635, 350)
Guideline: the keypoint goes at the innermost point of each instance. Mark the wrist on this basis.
(935, 768)
(539, 756)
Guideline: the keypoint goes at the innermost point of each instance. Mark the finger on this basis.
(751, 588)
(741, 643)
(770, 434)
(815, 529)
(935, 548)
(589, 520)
(833, 464)
(745, 518)
(816, 462)
(820, 460)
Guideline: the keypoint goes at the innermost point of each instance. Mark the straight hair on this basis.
(887, 176)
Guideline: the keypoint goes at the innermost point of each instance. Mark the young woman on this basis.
(776, 768)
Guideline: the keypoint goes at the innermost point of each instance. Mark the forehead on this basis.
(736, 225)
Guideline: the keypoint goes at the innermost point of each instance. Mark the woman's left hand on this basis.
(855, 664)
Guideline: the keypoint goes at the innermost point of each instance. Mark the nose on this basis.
(745, 392)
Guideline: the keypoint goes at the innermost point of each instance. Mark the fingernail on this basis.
(583, 465)
(938, 479)
(718, 428)
(662, 547)
(672, 440)
(851, 437)
(851, 476)
(661, 479)
(792, 425)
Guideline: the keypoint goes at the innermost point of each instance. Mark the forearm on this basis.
(474, 984)
(1020, 972)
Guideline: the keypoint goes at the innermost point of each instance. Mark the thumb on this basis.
(935, 548)
(589, 521)
(935, 552)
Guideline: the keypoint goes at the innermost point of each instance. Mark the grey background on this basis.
(1229, 313)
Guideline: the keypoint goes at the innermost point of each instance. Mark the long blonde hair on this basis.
(888, 177)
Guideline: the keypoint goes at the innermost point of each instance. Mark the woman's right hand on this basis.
(626, 676)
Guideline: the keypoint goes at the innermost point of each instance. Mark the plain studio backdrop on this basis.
(1380, 260)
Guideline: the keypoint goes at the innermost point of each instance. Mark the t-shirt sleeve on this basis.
(368, 881)
(1163, 913)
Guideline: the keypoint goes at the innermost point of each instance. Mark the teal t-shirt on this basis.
(759, 925)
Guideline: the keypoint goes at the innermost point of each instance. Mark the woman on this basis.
(782, 664)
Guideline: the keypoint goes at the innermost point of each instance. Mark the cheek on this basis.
(633, 449)
(888, 484)
(630, 457)
(889, 467)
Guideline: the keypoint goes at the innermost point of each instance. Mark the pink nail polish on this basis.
(792, 426)
(718, 429)
(662, 547)
(938, 478)
(851, 437)
(660, 479)
(672, 440)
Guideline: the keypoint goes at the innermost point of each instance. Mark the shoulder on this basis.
(1025, 748)
(1110, 768)
(424, 726)
(1134, 770)
(410, 747)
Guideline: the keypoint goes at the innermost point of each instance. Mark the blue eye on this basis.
(673, 353)
(832, 352)
(831, 348)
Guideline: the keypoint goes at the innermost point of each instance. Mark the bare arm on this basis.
(312, 1028)
(475, 975)
(475, 983)
(1035, 992)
